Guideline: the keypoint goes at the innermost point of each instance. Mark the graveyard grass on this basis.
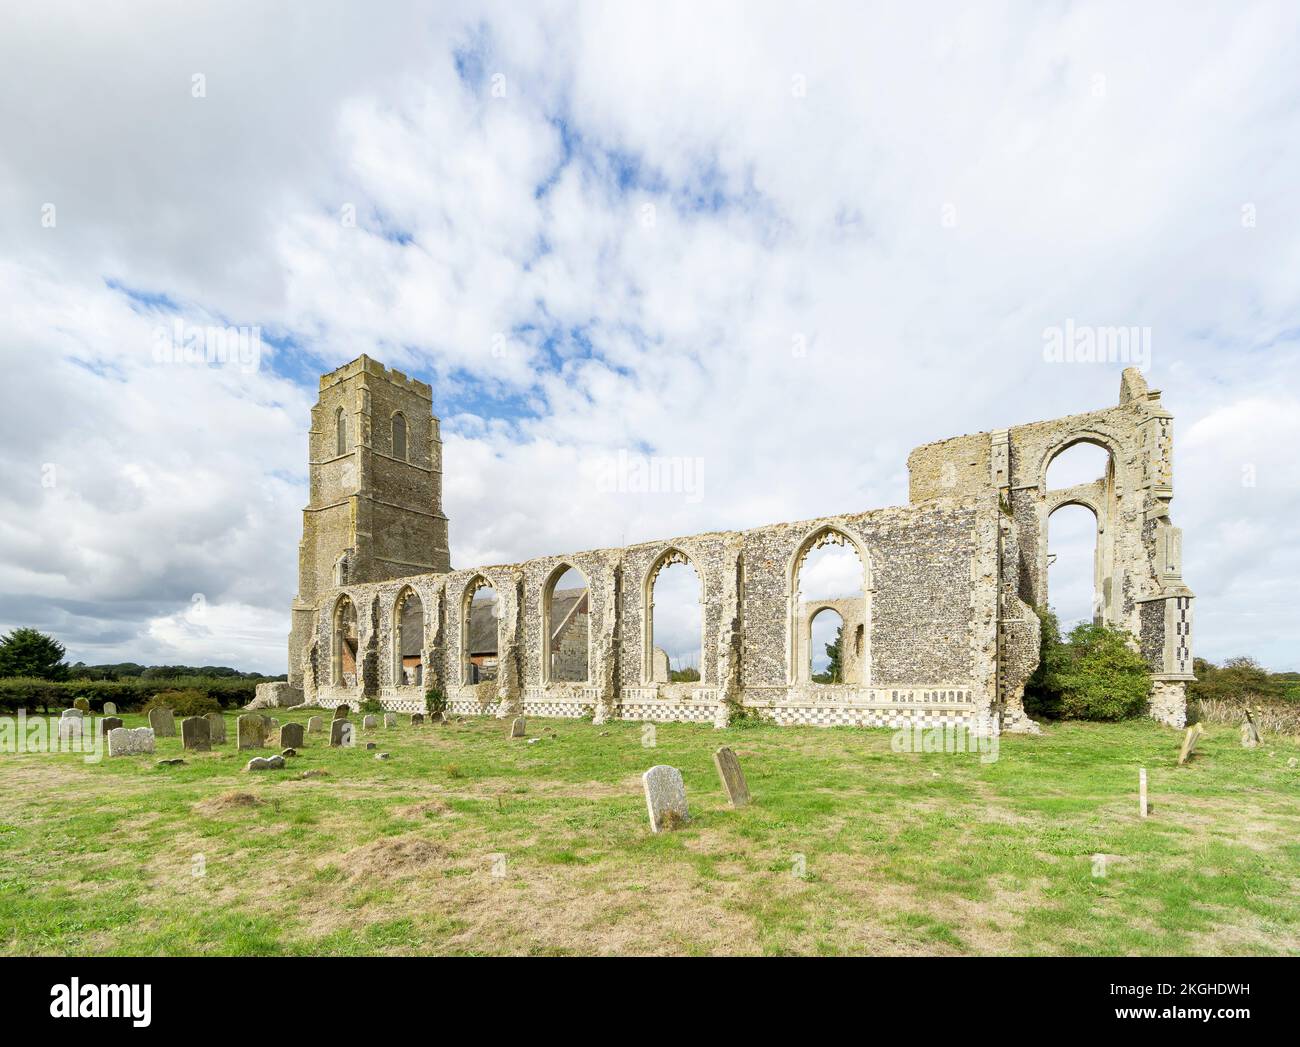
(900, 853)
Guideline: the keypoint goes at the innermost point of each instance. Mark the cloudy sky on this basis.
(789, 242)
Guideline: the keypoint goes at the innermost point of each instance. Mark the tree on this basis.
(27, 652)
(1093, 674)
(834, 672)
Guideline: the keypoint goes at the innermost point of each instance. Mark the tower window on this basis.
(399, 436)
(341, 429)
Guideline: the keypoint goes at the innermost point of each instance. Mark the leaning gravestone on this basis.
(341, 733)
(196, 733)
(81, 703)
(342, 712)
(251, 732)
(390, 719)
(291, 736)
(110, 723)
(315, 725)
(217, 730)
(369, 722)
(110, 709)
(665, 797)
(733, 778)
(1189, 743)
(163, 722)
(519, 728)
(417, 719)
(1250, 736)
(124, 741)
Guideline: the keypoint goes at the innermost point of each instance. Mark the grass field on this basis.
(901, 853)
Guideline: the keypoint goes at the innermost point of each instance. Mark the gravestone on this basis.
(196, 733)
(733, 778)
(265, 763)
(341, 733)
(519, 728)
(125, 741)
(163, 722)
(1189, 743)
(71, 725)
(81, 703)
(665, 797)
(1143, 808)
(110, 723)
(1250, 736)
(315, 725)
(217, 728)
(390, 719)
(417, 719)
(110, 709)
(369, 722)
(251, 731)
(342, 712)
(291, 736)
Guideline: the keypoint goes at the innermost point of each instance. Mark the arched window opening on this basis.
(1073, 591)
(399, 436)
(567, 633)
(830, 612)
(345, 644)
(341, 431)
(482, 632)
(826, 657)
(1080, 463)
(408, 644)
(676, 620)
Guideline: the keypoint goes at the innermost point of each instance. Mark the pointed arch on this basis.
(408, 639)
(398, 424)
(344, 642)
(566, 628)
(342, 440)
(854, 611)
(480, 631)
(670, 556)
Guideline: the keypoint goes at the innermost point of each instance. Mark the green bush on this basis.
(435, 701)
(128, 695)
(192, 702)
(371, 706)
(1093, 674)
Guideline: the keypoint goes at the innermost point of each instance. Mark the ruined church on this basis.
(942, 632)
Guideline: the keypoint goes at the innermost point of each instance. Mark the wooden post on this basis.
(1142, 792)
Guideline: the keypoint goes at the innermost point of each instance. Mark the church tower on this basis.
(375, 507)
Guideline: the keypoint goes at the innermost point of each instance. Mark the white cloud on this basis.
(830, 277)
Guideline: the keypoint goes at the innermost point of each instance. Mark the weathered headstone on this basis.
(1143, 809)
(110, 708)
(196, 733)
(251, 730)
(71, 725)
(341, 733)
(733, 778)
(163, 722)
(1250, 736)
(315, 725)
(110, 723)
(417, 719)
(368, 722)
(665, 797)
(81, 703)
(519, 728)
(265, 763)
(217, 728)
(291, 736)
(1189, 743)
(390, 719)
(126, 741)
(342, 712)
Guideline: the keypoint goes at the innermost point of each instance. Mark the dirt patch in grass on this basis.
(427, 809)
(231, 801)
(391, 858)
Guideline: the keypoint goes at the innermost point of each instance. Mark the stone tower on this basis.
(375, 506)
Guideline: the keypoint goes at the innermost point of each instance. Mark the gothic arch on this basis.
(548, 625)
(670, 555)
(824, 534)
(402, 645)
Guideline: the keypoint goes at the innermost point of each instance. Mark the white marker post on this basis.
(1142, 792)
